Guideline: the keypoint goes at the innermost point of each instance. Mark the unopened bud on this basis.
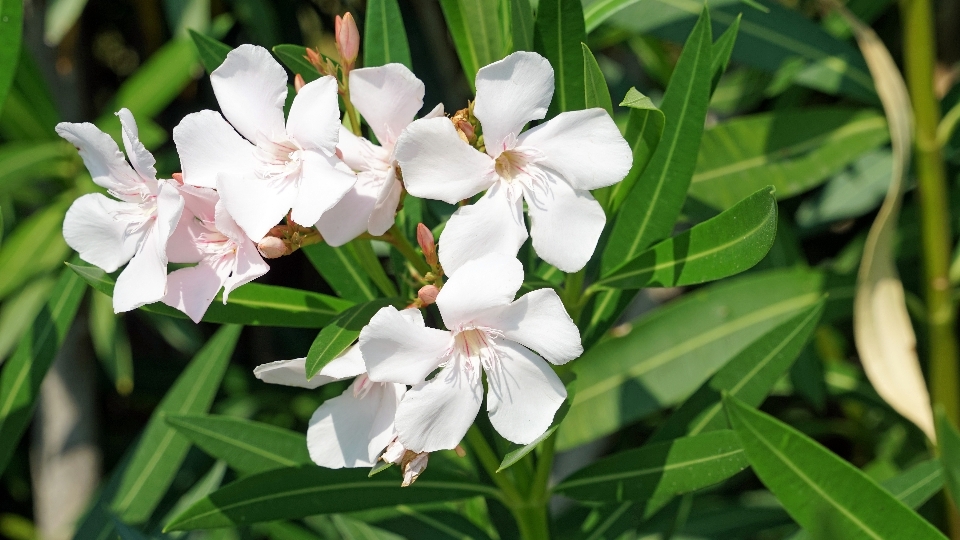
(467, 130)
(460, 451)
(427, 244)
(348, 39)
(413, 465)
(272, 247)
(177, 177)
(314, 58)
(428, 294)
(298, 82)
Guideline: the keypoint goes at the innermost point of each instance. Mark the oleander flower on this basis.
(263, 167)
(489, 331)
(388, 97)
(135, 224)
(225, 257)
(552, 167)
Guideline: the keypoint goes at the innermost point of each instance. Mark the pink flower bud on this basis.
(272, 247)
(177, 177)
(428, 294)
(348, 39)
(298, 82)
(427, 244)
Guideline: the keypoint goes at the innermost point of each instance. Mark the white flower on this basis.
(388, 97)
(226, 258)
(272, 168)
(352, 429)
(489, 331)
(132, 227)
(551, 167)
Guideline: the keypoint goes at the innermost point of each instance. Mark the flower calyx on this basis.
(468, 127)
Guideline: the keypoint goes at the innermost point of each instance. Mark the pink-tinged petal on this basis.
(388, 97)
(314, 120)
(436, 414)
(248, 265)
(182, 247)
(384, 212)
(400, 350)
(294, 372)
(251, 88)
(437, 164)
(565, 223)
(360, 154)
(142, 160)
(585, 147)
(208, 147)
(435, 112)
(510, 93)
(323, 182)
(102, 157)
(482, 284)
(256, 204)
(200, 201)
(349, 218)
(91, 229)
(523, 394)
(494, 224)
(538, 321)
(192, 290)
(352, 429)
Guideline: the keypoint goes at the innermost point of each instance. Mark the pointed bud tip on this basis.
(348, 39)
(428, 294)
(298, 82)
(427, 244)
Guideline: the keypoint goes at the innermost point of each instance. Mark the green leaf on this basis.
(340, 269)
(252, 304)
(657, 197)
(212, 52)
(110, 342)
(384, 38)
(722, 246)
(297, 492)
(661, 359)
(11, 28)
(812, 483)
(246, 446)
(795, 150)
(364, 254)
(20, 309)
(515, 455)
(595, 91)
(521, 25)
(36, 246)
(24, 371)
(24, 162)
(337, 336)
(294, 57)
(722, 49)
(476, 31)
(917, 484)
(656, 473)
(948, 442)
(557, 35)
(853, 192)
(439, 524)
(748, 376)
(161, 449)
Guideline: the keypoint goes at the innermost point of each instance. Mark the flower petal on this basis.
(348, 218)
(200, 201)
(248, 265)
(494, 224)
(192, 290)
(183, 245)
(539, 321)
(208, 147)
(256, 204)
(349, 364)
(251, 88)
(488, 282)
(314, 120)
(436, 414)
(400, 350)
(435, 112)
(437, 164)
(91, 229)
(384, 212)
(524, 394)
(142, 160)
(565, 223)
(323, 182)
(294, 372)
(510, 93)
(388, 97)
(585, 147)
(360, 154)
(102, 157)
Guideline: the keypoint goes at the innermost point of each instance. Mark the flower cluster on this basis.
(255, 183)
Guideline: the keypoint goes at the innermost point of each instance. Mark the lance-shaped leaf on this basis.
(917, 484)
(521, 25)
(24, 371)
(658, 472)
(298, 492)
(22, 162)
(11, 28)
(949, 446)
(722, 50)
(811, 482)
(557, 35)
(340, 269)
(35, 247)
(212, 52)
(246, 446)
(161, 449)
(252, 304)
(337, 336)
(595, 91)
(475, 27)
(727, 244)
(384, 38)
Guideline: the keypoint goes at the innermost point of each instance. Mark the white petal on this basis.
(565, 224)
(384, 212)
(350, 431)
(251, 88)
(435, 415)
(322, 184)
(294, 372)
(102, 157)
(510, 93)
(437, 164)
(91, 229)
(435, 112)
(585, 147)
(208, 147)
(314, 119)
(494, 224)
(200, 201)
(488, 282)
(248, 266)
(348, 218)
(256, 204)
(538, 320)
(360, 154)
(142, 160)
(399, 350)
(349, 364)
(524, 394)
(192, 290)
(388, 97)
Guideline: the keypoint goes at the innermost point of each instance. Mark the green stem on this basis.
(488, 460)
(350, 109)
(398, 240)
(573, 294)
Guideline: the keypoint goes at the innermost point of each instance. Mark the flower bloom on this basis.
(132, 227)
(489, 332)
(388, 97)
(352, 429)
(552, 167)
(262, 167)
(225, 257)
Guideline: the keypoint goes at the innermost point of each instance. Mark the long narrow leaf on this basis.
(337, 336)
(384, 38)
(558, 33)
(11, 28)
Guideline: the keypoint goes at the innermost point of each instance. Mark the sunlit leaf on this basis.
(475, 27)
(11, 28)
(384, 38)
(557, 35)
(340, 333)
(211, 52)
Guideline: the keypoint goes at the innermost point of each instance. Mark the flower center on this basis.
(279, 158)
(519, 169)
(140, 217)
(476, 347)
(213, 243)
